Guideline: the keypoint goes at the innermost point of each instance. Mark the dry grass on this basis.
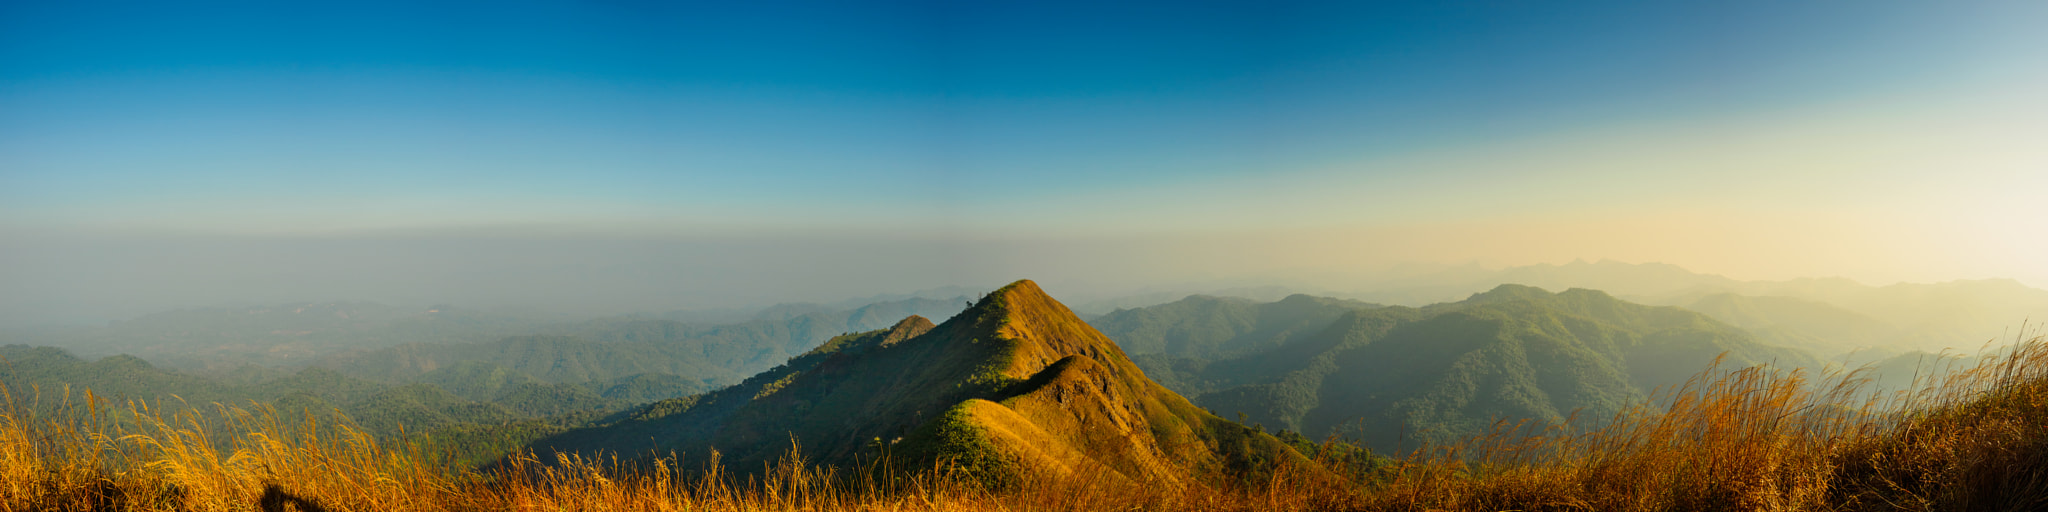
(1764, 439)
(1752, 439)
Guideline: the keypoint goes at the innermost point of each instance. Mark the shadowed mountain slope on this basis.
(1015, 384)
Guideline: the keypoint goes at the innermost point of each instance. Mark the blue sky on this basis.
(1015, 120)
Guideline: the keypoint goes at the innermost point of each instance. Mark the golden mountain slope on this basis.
(1015, 385)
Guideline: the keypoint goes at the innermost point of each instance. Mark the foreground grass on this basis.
(1754, 439)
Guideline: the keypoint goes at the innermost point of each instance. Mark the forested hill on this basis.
(1448, 370)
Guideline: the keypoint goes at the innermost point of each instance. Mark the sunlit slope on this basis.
(1015, 384)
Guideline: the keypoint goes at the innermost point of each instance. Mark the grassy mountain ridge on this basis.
(1013, 385)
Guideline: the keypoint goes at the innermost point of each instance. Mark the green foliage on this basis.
(420, 407)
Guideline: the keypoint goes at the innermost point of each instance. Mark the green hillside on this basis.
(23, 369)
(1396, 374)
(1015, 384)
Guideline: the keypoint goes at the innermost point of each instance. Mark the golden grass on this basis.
(1751, 439)
(1764, 439)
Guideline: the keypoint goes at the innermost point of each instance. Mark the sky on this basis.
(642, 156)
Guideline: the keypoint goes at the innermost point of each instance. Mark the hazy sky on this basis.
(614, 154)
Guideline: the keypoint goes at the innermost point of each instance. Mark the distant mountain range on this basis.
(1962, 315)
(1393, 374)
(1875, 321)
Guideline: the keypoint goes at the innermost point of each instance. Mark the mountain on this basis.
(1202, 326)
(1392, 375)
(25, 369)
(1261, 293)
(1174, 341)
(1644, 281)
(1962, 315)
(1931, 317)
(1014, 385)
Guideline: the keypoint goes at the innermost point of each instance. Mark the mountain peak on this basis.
(910, 323)
(1042, 330)
(1021, 286)
(1014, 385)
(910, 327)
